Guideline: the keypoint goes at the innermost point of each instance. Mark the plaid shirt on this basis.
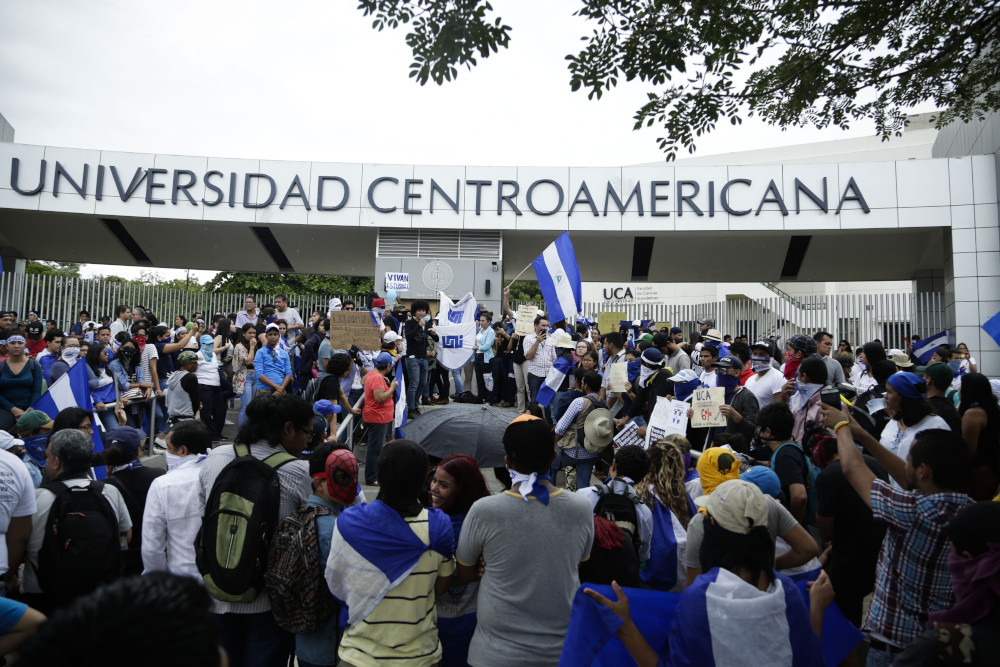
(912, 577)
(545, 356)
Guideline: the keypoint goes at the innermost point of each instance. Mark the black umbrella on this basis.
(463, 428)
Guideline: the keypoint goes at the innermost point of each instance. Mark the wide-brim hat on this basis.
(565, 341)
(598, 430)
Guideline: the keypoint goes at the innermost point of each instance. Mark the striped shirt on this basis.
(403, 625)
(296, 485)
(912, 577)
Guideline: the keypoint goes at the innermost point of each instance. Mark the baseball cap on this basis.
(802, 343)
(646, 336)
(708, 321)
(383, 360)
(685, 376)
(125, 438)
(661, 339)
(186, 357)
(326, 408)
(736, 506)
(763, 345)
(908, 384)
(271, 326)
(378, 303)
(765, 479)
(391, 337)
(652, 357)
(676, 330)
(7, 441)
(33, 419)
(729, 362)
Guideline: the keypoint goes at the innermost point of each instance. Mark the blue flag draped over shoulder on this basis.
(689, 628)
(559, 279)
(374, 549)
(665, 569)
(399, 397)
(561, 369)
(72, 390)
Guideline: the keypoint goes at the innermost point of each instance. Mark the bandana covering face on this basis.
(644, 373)
(727, 382)
(207, 347)
(70, 354)
(976, 582)
(803, 392)
(684, 391)
(141, 342)
(792, 364)
(342, 465)
(530, 484)
(760, 364)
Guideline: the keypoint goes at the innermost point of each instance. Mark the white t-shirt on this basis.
(17, 497)
(290, 315)
(208, 371)
(764, 388)
(707, 379)
(899, 442)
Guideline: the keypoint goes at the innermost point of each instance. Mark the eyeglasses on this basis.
(349, 308)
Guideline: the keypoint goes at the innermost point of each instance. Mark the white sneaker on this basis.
(230, 423)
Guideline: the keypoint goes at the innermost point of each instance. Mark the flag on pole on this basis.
(72, 390)
(924, 349)
(456, 330)
(561, 369)
(400, 398)
(559, 279)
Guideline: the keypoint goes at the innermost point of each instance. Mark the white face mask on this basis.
(70, 355)
(173, 460)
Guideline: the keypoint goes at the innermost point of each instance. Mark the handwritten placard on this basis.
(608, 322)
(628, 436)
(618, 381)
(525, 323)
(667, 417)
(349, 328)
(706, 404)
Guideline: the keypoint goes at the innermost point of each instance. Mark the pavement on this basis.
(360, 449)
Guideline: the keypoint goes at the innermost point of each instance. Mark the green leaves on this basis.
(790, 62)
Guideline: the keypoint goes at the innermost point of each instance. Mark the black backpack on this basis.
(82, 548)
(241, 514)
(620, 509)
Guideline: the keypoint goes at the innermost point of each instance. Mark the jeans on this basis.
(108, 418)
(522, 387)
(416, 381)
(457, 377)
(584, 469)
(498, 377)
(249, 390)
(253, 640)
(877, 658)
(534, 384)
(376, 439)
(213, 409)
(161, 409)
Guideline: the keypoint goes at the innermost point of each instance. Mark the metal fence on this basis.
(858, 318)
(61, 298)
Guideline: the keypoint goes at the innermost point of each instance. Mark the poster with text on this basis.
(667, 417)
(628, 436)
(706, 404)
(525, 323)
(618, 382)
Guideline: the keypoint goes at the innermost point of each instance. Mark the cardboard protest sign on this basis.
(525, 323)
(628, 436)
(706, 404)
(618, 382)
(349, 328)
(667, 417)
(608, 322)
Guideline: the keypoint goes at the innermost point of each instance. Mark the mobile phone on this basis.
(831, 397)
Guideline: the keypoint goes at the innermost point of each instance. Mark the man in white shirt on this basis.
(17, 505)
(539, 355)
(173, 512)
(614, 352)
(121, 321)
(290, 315)
(708, 356)
(767, 381)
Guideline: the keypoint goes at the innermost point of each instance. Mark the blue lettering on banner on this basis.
(451, 342)
(455, 316)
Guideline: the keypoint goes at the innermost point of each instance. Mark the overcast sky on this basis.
(310, 80)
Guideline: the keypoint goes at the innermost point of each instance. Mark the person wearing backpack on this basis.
(300, 599)
(789, 461)
(132, 479)
(569, 431)
(79, 530)
(616, 501)
(245, 489)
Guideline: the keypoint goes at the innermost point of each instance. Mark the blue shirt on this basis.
(272, 362)
(320, 646)
(11, 612)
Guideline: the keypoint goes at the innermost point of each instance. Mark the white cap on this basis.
(391, 337)
(7, 441)
(270, 326)
(736, 506)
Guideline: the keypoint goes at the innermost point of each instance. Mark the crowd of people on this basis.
(860, 470)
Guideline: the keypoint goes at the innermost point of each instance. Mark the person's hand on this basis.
(355, 411)
(825, 556)
(788, 389)
(729, 412)
(641, 431)
(279, 391)
(820, 591)
(17, 412)
(620, 423)
(159, 393)
(506, 290)
(832, 416)
(690, 413)
(100, 407)
(619, 606)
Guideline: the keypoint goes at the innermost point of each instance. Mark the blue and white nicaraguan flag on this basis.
(456, 329)
(72, 390)
(400, 398)
(374, 549)
(924, 349)
(666, 570)
(561, 369)
(559, 279)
